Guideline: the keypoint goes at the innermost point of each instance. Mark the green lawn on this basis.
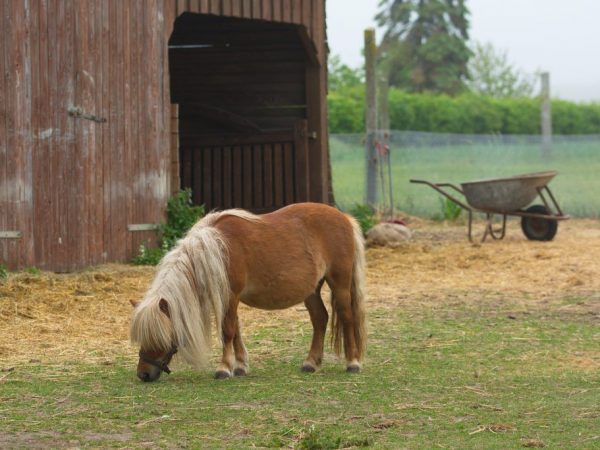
(469, 375)
(576, 187)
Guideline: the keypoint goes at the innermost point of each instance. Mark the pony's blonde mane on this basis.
(192, 279)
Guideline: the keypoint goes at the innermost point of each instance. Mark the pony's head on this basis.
(152, 328)
(190, 288)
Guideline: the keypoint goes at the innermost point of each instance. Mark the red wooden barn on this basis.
(107, 107)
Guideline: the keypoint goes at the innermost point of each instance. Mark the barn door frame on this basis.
(301, 163)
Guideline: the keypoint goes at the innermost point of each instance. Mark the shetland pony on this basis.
(270, 261)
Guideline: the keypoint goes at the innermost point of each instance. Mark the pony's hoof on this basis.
(222, 375)
(306, 368)
(240, 372)
(353, 369)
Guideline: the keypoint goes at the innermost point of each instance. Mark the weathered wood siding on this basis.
(71, 186)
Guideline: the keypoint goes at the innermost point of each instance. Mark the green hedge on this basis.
(465, 114)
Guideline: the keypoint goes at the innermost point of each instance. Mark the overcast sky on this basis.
(559, 36)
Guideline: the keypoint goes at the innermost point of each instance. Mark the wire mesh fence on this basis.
(459, 158)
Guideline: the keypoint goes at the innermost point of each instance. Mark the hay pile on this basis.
(85, 316)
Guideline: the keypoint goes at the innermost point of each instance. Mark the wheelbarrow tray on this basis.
(505, 195)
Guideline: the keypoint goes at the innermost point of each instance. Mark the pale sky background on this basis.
(559, 36)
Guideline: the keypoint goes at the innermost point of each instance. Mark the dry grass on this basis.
(84, 316)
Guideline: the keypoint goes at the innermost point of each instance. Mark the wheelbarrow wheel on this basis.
(538, 229)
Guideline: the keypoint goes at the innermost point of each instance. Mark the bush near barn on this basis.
(465, 114)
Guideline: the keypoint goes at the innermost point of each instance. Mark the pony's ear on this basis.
(164, 307)
(134, 303)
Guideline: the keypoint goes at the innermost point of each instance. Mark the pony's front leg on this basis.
(229, 329)
(241, 355)
(318, 317)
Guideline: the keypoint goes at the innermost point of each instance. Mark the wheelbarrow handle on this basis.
(440, 188)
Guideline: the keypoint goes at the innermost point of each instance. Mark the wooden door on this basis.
(260, 173)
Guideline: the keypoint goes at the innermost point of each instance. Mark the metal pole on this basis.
(371, 118)
(546, 117)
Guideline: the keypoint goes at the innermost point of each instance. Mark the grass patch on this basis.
(471, 376)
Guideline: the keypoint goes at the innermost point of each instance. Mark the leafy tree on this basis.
(342, 76)
(424, 48)
(492, 74)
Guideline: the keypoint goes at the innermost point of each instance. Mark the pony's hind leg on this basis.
(342, 301)
(318, 317)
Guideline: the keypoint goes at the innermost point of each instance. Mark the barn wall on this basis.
(70, 185)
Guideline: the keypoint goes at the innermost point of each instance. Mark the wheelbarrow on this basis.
(508, 197)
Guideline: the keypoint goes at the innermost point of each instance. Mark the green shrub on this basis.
(467, 113)
(449, 210)
(365, 215)
(3, 272)
(181, 216)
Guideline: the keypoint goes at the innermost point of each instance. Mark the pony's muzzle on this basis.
(150, 373)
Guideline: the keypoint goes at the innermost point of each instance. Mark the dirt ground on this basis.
(46, 317)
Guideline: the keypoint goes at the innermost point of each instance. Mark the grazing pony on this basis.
(270, 261)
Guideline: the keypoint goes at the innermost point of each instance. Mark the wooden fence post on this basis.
(546, 117)
(371, 118)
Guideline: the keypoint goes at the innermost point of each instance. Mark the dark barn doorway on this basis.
(241, 87)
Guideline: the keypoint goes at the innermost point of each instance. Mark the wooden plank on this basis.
(247, 176)
(4, 94)
(96, 247)
(286, 11)
(12, 166)
(278, 174)
(190, 140)
(297, 11)
(256, 9)
(267, 9)
(307, 14)
(121, 187)
(257, 176)
(268, 175)
(228, 7)
(39, 146)
(207, 177)
(277, 10)
(175, 154)
(105, 95)
(137, 145)
(79, 229)
(318, 26)
(187, 168)
(68, 207)
(228, 176)
(217, 177)
(215, 7)
(181, 6)
(236, 8)
(246, 8)
(237, 177)
(301, 161)
(197, 176)
(288, 173)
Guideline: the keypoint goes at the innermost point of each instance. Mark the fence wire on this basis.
(456, 158)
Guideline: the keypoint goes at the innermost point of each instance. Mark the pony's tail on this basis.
(357, 294)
